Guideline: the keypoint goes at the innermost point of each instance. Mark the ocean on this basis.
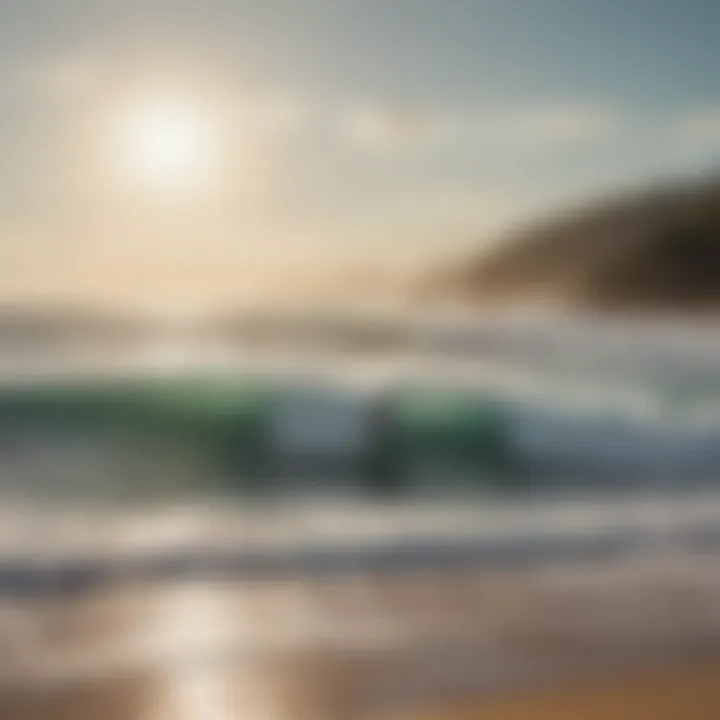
(142, 577)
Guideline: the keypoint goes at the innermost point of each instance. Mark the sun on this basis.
(166, 145)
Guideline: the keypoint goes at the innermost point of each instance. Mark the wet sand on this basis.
(684, 693)
(375, 647)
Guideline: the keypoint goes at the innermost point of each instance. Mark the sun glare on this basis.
(166, 145)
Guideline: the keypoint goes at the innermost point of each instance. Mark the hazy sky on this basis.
(373, 125)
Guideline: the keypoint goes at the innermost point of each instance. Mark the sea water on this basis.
(135, 582)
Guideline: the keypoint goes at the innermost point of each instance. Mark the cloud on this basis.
(62, 78)
(376, 127)
(698, 129)
(86, 74)
(273, 114)
(562, 124)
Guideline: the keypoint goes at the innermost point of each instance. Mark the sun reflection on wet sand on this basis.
(352, 647)
(194, 623)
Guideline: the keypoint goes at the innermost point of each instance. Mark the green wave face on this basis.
(153, 439)
(144, 439)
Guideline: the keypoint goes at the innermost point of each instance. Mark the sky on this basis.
(361, 131)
